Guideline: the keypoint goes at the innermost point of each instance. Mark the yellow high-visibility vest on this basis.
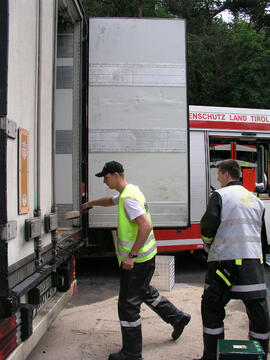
(128, 230)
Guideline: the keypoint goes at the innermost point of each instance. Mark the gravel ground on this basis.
(88, 328)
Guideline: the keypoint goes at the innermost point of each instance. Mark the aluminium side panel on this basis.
(64, 110)
(138, 114)
(198, 175)
(22, 85)
(68, 117)
(46, 104)
(30, 35)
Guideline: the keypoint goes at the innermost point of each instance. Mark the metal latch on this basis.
(9, 127)
(8, 231)
(32, 228)
(50, 222)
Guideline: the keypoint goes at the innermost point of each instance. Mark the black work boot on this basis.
(202, 358)
(132, 344)
(122, 355)
(210, 346)
(179, 326)
(264, 345)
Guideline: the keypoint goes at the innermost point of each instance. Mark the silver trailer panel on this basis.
(30, 84)
(198, 174)
(138, 113)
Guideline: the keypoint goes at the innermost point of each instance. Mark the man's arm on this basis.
(106, 201)
(144, 229)
(211, 220)
(265, 246)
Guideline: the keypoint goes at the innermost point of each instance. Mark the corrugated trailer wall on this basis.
(64, 120)
(68, 119)
(3, 144)
(30, 86)
(138, 114)
(37, 267)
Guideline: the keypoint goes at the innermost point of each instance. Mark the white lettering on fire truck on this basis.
(204, 116)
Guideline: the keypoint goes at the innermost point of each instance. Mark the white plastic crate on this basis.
(164, 275)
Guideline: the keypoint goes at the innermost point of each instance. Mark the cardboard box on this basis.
(239, 350)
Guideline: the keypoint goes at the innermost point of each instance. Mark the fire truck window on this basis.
(252, 156)
(219, 152)
(246, 155)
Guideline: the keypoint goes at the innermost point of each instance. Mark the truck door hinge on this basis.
(8, 231)
(8, 126)
(50, 222)
(32, 228)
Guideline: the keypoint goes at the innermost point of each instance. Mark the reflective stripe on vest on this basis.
(130, 243)
(239, 232)
(128, 230)
(140, 255)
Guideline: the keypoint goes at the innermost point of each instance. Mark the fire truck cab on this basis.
(216, 134)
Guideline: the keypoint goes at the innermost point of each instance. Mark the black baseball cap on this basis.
(111, 167)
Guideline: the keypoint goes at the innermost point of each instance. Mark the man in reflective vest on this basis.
(136, 250)
(232, 229)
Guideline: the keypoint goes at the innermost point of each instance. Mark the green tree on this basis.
(124, 8)
(250, 71)
(228, 64)
(256, 10)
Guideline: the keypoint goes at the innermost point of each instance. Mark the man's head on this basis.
(228, 170)
(111, 167)
(113, 173)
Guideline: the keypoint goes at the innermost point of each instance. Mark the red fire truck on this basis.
(219, 133)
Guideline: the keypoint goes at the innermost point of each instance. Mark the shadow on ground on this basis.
(98, 278)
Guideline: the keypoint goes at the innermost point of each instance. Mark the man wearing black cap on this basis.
(136, 250)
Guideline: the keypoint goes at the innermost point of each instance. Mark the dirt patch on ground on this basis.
(88, 328)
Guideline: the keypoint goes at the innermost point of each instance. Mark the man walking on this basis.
(231, 231)
(136, 250)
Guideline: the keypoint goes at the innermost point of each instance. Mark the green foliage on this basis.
(256, 10)
(230, 67)
(228, 63)
(250, 73)
(109, 8)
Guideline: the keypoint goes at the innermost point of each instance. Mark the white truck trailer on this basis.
(42, 49)
(138, 115)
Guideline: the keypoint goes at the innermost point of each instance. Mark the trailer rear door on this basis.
(138, 114)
